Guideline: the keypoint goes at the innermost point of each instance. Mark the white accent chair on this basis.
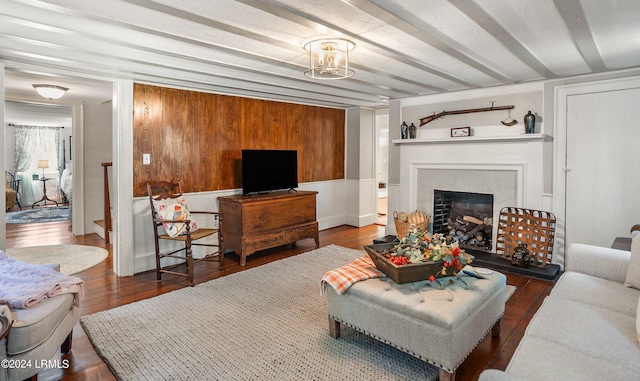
(34, 335)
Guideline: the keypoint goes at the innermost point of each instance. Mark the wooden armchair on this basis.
(172, 221)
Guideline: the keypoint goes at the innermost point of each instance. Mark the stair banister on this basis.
(107, 203)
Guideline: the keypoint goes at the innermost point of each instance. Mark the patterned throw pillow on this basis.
(174, 209)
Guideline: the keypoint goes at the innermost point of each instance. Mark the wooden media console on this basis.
(261, 221)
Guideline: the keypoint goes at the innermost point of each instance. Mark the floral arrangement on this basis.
(422, 246)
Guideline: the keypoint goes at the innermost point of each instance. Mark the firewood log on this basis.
(475, 230)
(474, 220)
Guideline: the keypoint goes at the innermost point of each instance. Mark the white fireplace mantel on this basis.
(475, 139)
(508, 166)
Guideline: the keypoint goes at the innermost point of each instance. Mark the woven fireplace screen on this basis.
(535, 228)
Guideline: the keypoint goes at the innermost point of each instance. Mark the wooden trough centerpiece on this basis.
(411, 272)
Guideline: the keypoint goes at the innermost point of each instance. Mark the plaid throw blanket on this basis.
(342, 278)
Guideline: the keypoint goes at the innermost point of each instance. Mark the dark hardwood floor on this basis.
(104, 290)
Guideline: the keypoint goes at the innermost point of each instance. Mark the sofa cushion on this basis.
(541, 359)
(633, 271)
(591, 331)
(34, 325)
(596, 291)
(603, 262)
(638, 322)
(174, 209)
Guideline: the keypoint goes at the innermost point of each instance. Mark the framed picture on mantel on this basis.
(459, 132)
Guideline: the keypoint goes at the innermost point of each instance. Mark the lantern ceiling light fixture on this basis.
(50, 91)
(329, 58)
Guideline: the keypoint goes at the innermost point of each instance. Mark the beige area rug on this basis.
(264, 323)
(71, 258)
(509, 291)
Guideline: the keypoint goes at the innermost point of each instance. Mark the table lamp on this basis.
(43, 164)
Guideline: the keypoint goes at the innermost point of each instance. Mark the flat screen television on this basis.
(268, 170)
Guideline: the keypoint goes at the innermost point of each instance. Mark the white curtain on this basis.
(33, 143)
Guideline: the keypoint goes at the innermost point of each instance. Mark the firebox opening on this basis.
(466, 217)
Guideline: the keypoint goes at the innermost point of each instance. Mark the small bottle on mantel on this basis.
(530, 123)
(412, 131)
(404, 130)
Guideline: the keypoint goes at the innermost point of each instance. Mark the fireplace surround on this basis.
(503, 182)
(511, 168)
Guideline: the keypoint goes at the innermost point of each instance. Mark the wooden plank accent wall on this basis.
(198, 138)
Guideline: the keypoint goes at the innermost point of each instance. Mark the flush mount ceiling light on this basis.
(50, 91)
(329, 58)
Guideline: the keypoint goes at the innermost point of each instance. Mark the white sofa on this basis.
(587, 328)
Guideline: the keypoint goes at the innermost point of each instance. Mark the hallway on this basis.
(382, 211)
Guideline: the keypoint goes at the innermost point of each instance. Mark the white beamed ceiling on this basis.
(254, 48)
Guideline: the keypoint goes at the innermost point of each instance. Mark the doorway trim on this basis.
(122, 200)
(380, 114)
(561, 95)
(77, 181)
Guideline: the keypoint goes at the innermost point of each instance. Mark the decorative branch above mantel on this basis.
(442, 114)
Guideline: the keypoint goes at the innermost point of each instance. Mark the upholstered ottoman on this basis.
(438, 322)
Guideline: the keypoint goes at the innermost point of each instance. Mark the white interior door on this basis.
(603, 166)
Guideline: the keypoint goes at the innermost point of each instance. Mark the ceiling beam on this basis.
(166, 9)
(488, 23)
(158, 56)
(573, 15)
(416, 28)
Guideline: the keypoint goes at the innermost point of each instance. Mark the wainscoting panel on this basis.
(198, 137)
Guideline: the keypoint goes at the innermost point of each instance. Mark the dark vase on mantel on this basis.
(412, 131)
(530, 123)
(404, 130)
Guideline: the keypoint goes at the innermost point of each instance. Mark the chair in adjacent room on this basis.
(12, 191)
(172, 221)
